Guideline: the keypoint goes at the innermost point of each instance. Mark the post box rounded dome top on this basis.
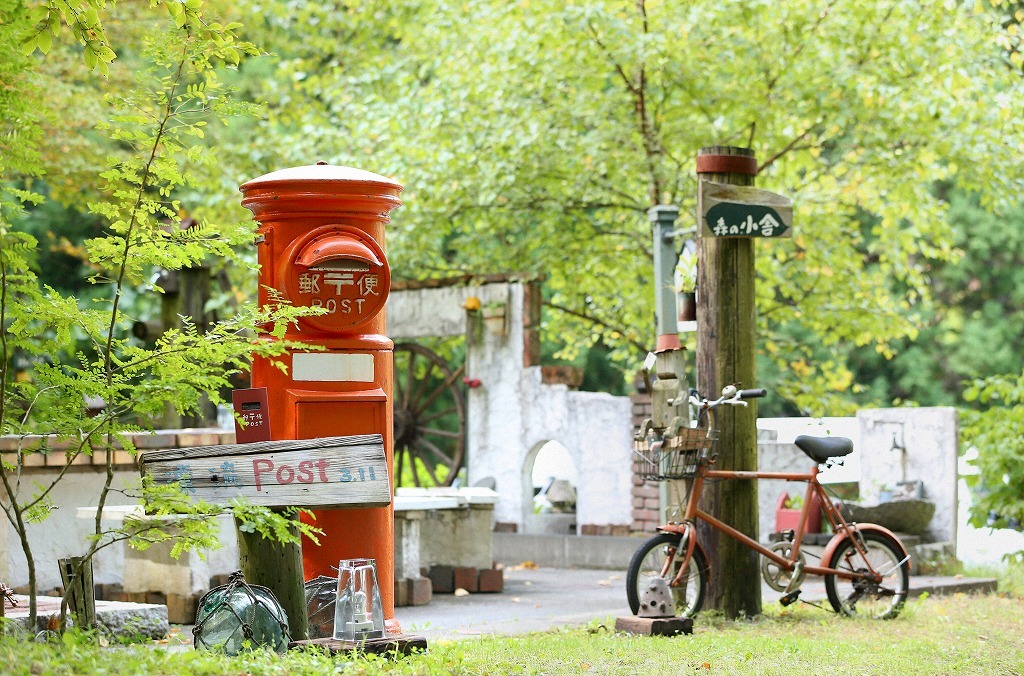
(360, 190)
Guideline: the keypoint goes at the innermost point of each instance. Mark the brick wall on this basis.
(646, 503)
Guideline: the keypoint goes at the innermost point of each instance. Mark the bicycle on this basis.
(865, 566)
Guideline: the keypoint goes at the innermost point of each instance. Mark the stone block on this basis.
(181, 609)
(155, 440)
(148, 621)
(109, 592)
(30, 459)
(491, 581)
(156, 598)
(197, 438)
(466, 578)
(154, 570)
(620, 531)
(420, 591)
(442, 579)
(654, 626)
(902, 516)
(647, 490)
(595, 529)
(79, 460)
(218, 580)
(645, 515)
(124, 459)
(505, 527)
(402, 592)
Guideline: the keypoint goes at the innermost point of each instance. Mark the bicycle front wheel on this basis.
(861, 597)
(649, 561)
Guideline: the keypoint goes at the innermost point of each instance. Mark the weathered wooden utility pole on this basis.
(726, 345)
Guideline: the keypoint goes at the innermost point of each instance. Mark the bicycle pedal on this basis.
(790, 598)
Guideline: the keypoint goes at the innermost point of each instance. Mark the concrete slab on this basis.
(120, 619)
(542, 599)
(566, 551)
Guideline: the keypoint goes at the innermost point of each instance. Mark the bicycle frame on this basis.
(840, 528)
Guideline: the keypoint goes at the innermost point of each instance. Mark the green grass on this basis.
(939, 635)
(1009, 574)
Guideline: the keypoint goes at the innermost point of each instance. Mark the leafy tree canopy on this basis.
(58, 351)
(534, 136)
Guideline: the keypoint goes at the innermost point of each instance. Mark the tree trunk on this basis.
(726, 345)
(278, 567)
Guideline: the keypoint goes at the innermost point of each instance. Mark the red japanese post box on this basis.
(321, 243)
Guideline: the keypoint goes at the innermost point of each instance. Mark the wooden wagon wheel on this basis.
(430, 416)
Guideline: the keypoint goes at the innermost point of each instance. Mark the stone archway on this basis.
(550, 480)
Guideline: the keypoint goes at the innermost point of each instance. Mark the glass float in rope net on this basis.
(238, 616)
(430, 417)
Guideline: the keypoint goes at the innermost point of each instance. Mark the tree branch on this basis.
(792, 145)
(597, 321)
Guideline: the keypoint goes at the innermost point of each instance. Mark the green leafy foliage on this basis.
(58, 351)
(975, 327)
(995, 431)
(533, 137)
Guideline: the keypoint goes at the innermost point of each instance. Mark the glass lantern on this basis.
(321, 598)
(238, 616)
(359, 613)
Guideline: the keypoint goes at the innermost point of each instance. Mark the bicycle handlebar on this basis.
(730, 395)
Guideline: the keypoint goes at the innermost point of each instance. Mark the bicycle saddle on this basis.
(820, 449)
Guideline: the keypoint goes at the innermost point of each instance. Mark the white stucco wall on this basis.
(928, 434)
(930, 437)
(65, 533)
(512, 411)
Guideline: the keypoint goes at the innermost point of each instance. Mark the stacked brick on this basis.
(53, 452)
(595, 529)
(446, 579)
(646, 504)
(413, 591)
(180, 609)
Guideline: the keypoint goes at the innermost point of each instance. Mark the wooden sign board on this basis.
(743, 211)
(327, 472)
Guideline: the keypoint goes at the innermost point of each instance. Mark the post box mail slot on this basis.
(326, 472)
(340, 270)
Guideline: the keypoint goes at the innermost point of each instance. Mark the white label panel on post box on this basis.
(312, 366)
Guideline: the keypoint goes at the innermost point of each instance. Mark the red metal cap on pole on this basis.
(726, 164)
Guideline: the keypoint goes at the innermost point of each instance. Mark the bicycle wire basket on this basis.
(677, 457)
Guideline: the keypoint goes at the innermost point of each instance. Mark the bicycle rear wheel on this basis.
(649, 561)
(860, 597)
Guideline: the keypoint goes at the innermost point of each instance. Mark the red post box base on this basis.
(355, 534)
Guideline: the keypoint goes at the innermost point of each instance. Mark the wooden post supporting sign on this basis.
(726, 345)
